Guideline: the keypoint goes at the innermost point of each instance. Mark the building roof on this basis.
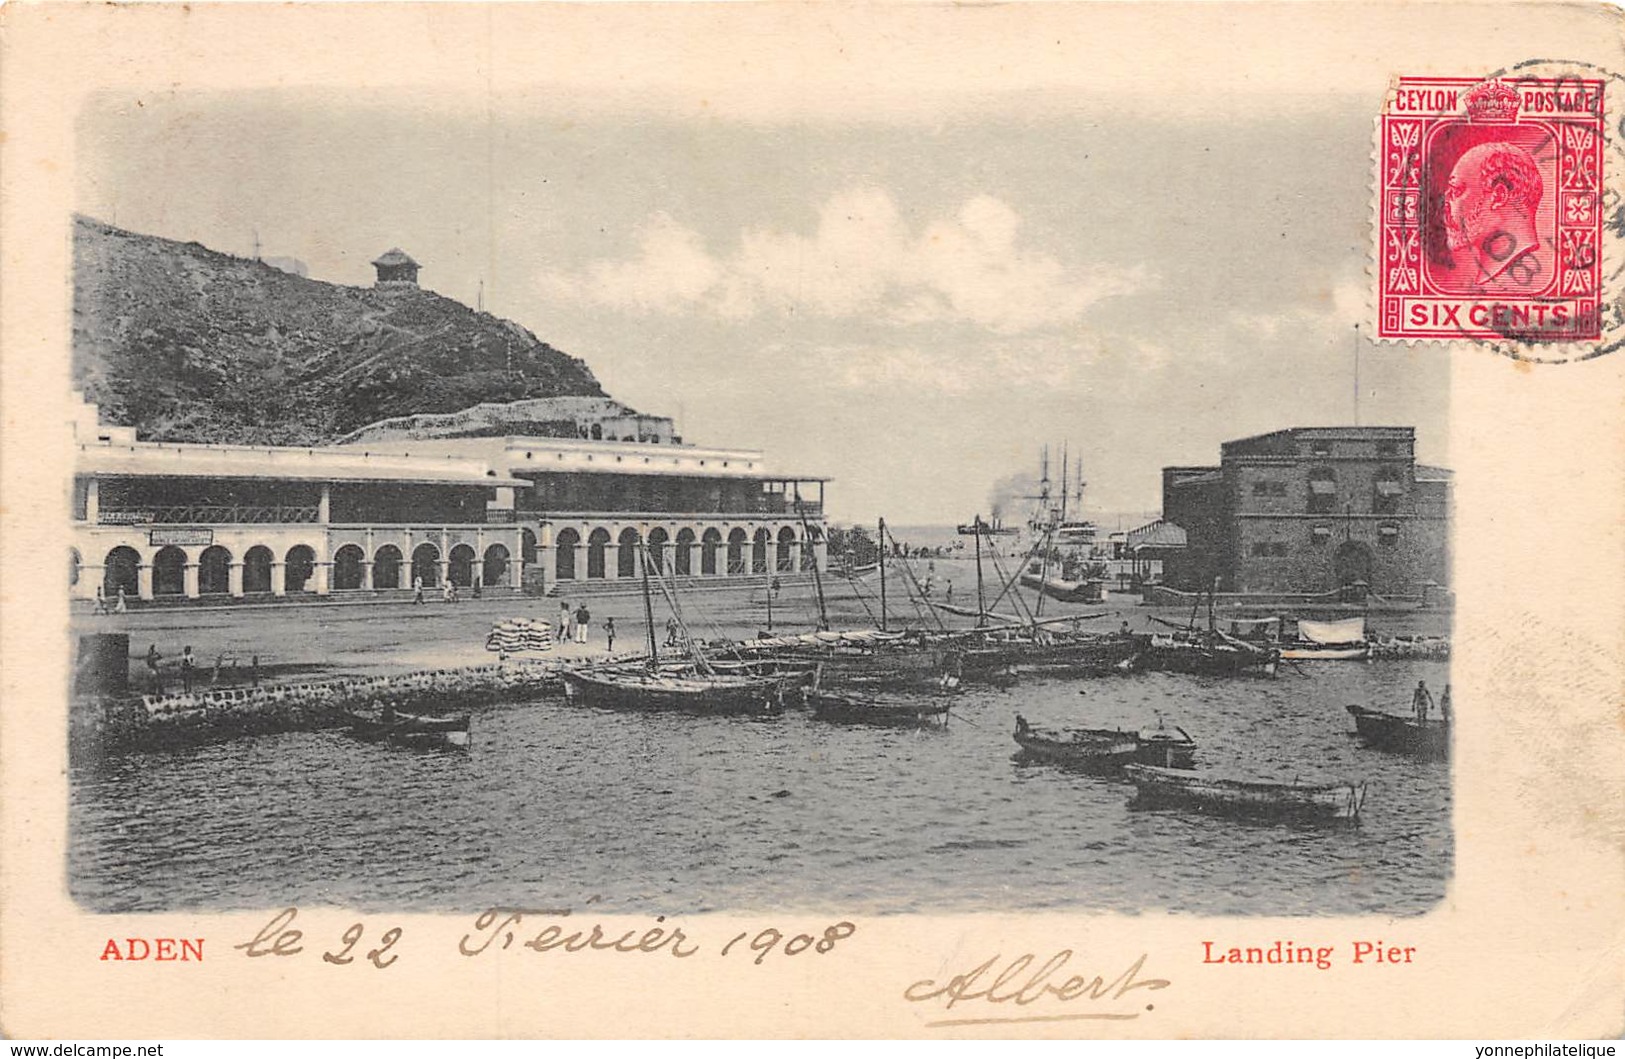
(158, 460)
(535, 455)
(1426, 473)
(395, 256)
(1158, 534)
(1204, 478)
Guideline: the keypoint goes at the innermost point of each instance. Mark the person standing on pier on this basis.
(566, 625)
(152, 670)
(417, 589)
(609, 634)
(583, 617)
(121, 605)
(101, 600)
(188, 665)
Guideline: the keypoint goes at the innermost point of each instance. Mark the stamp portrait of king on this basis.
(1490, 221)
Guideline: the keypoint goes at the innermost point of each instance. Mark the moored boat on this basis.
(1246, 797)
(1328, 641)
(1429, 739)
(419, 731)
(860, 658)
(1100, 749)
(906, 711)
(1207, 653)
(636, 687)
(1166, 747)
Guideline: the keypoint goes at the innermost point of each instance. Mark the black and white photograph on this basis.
(740, 482)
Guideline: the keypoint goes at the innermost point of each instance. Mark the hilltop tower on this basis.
(396, 270)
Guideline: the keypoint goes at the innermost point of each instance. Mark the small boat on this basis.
(637, 687)
(898, 711)
(1169, 748)
(1067, 590)
(1258, 798)
(1328, 641)
(410, 729)
(1191, 651)
(859, 658)
(1103, 749)
(1429, 740)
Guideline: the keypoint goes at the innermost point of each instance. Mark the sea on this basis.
(555, 806)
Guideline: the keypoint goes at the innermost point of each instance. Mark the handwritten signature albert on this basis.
(1024, 981)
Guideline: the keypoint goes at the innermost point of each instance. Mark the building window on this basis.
(1320, 448)
(1268, 549)
(1388, 535)
(1320, 535)
(1387, 448)
(1387, 491)
(1322, 491)
(1268, 488)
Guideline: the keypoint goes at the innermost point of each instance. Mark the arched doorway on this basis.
(257, 569)
(527, 546)
(784, 560)
(1352, 564)
(386, 567)
(121, 569)
(564, 554)
(758, 551)
(597, 545)
(461, 567)
(426, 565)
(169, 571)
(736, 551)
(301, 564)
(710, 544)
(347, 568)
(659, 541)
(626, 560)
(683, 561)
(214, 571)
(494, 571)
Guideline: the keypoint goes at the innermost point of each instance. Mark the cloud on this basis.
(1342, 306)
(862, 259)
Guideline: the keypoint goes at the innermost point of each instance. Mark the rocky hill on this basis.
(186, 344)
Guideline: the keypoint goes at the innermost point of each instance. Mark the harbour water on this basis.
(555, 806)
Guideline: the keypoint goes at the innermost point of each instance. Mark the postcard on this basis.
(731, 521)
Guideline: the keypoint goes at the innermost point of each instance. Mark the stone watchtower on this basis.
(396, 270)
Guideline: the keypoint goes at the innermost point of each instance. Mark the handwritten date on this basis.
(278, 938)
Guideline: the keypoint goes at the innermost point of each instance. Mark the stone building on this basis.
(396, 269)
(1311, 510)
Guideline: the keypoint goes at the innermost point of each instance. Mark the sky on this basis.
(911, 302)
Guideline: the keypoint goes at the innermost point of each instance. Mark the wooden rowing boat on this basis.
(1106, 749)
(1429, 740)
(418, 731)
(636, 687)
(895, 711)
(1098, 749)
(1239, 797)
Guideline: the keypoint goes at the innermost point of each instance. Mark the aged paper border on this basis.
(1529, 937)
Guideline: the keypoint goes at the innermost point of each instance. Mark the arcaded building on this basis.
(1312, 510)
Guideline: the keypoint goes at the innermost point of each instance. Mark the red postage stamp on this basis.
(1489, 218)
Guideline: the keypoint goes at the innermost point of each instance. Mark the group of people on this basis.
(121, 605)
(575, 624)
(448, 590)
(188, 666)
(1422, 703)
